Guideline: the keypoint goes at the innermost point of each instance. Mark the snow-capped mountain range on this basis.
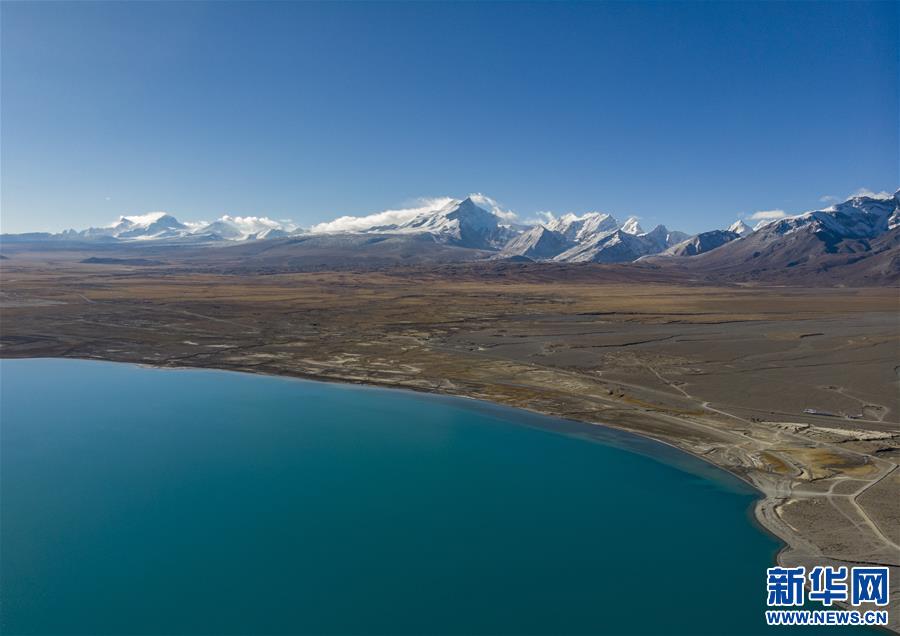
(577, 228)
(164, 226)
(857, 217)
(854, 242)
(478, 223)
(465, 223)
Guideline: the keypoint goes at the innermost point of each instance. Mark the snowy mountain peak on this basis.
(537, 243)
(144, 226)
(702, 243)
(661, 238)
(463, 223)
(631, 226)
(740, 228)
(470, 211)
(578, 228)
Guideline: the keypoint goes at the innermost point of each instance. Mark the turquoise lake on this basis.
(150, 501)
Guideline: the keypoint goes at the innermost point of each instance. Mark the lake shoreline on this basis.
(771, 490)
(468, 491)
(756, 516)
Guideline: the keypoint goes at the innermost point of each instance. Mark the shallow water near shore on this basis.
(139, 500)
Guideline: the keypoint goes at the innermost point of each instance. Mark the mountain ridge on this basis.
(811, 243)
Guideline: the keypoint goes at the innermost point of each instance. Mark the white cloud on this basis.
(253, 224)
(385, 217)
(865, 192)
(486, 202)
(543, 217)
(142, 219)
(767, 215)
(828, 198)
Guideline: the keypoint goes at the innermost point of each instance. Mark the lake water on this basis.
(139, 500)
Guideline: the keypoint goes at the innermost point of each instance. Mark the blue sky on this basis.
(689, 114)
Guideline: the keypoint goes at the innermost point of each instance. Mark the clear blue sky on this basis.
(688, 114)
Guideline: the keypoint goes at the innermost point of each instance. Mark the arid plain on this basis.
(793, 389)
